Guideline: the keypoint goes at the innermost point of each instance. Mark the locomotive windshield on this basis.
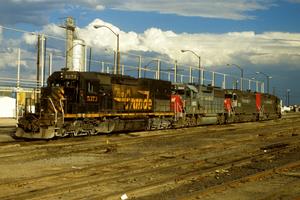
(231, 96)
(228, 96)
(62, 79)
(64, 83)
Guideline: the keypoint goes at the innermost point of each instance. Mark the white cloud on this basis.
(244, 48)
(9, 55)
(0, 34)
(99, 7)
(230, 9)
(215, 49)
(30, 38)
(53, 29)
(37, 11)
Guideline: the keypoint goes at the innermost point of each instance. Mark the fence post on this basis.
(158, 70)
(191, 75)
(18, 83)
(140, 67)
(224, 81)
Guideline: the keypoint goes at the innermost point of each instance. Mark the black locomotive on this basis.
(87, 103)
(80, 103)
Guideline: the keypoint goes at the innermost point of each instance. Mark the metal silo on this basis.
(79, 55)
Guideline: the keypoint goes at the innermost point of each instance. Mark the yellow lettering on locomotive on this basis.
(91, 98)
(133, 103)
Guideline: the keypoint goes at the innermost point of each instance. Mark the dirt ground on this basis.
(257, 160)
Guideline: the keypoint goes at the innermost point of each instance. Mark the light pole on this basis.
(201, 72)
(242, 73)
(288, 97)
(139, 67)
(268, 79)
(118, 47)
(256, 83)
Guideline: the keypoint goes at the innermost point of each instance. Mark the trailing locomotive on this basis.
(243, 106)
(212, 105)
(87, 103)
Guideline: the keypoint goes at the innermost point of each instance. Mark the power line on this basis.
(32, 33)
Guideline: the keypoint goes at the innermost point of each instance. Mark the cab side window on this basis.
(90, 87)
(234, 97)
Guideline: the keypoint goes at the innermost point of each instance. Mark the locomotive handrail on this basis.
(62, 110)
(54, 110)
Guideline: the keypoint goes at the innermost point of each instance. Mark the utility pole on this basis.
(40, 60)
(242, 74)
(38, 63)
(18, 84)
(288, 97)
(50, 64)
(175, 72)
(70, 29)
(140, 67)
(224, 82)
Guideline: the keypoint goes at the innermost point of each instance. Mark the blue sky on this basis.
(259, 35)
(280, 17)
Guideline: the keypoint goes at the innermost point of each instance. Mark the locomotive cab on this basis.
(62, 90)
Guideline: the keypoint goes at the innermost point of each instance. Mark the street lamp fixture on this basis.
(242, 73)
(268, 79)
(158, 67)
(201, 72)
(117, 68)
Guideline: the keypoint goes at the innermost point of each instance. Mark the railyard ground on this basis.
(257, 160)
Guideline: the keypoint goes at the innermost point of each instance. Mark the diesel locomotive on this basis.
(87, 103)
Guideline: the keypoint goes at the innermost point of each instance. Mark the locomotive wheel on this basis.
(221, 119)
(193, 121)
(71, 134)
(199, 120)
(92, 132)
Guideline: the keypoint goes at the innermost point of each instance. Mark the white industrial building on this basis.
(7, 107)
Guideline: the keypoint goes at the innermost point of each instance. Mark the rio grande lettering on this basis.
(134, 103)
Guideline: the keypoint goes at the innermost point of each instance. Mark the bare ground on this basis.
(259, 160)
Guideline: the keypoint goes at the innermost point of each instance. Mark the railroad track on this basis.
(138, 173)
(240, 181)
(200, 174)
(158, 170)
(84, 144)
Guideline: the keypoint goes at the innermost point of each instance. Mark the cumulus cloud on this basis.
(278, 50)
(37, 12)
(215, 49)
(246, 48)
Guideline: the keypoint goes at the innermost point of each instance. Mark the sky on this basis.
(257, 35)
